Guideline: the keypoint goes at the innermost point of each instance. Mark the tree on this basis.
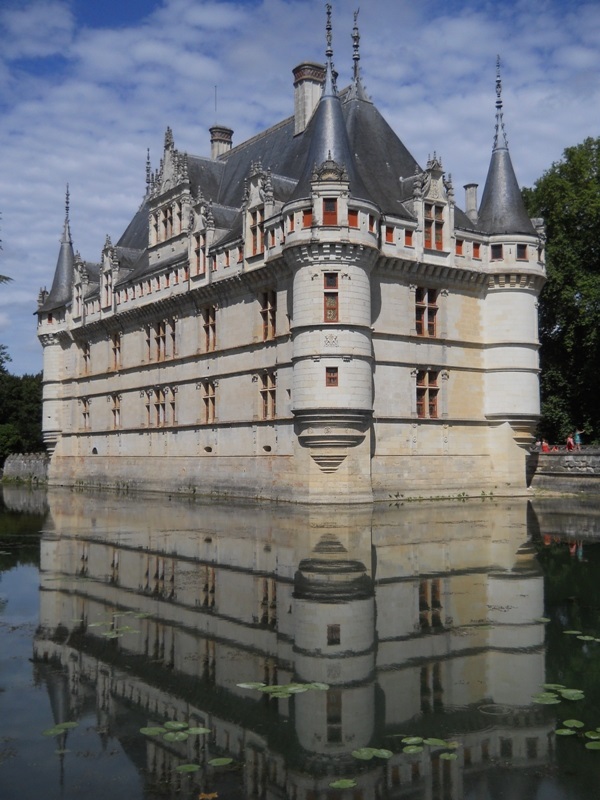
(567, 196)
(20, 411)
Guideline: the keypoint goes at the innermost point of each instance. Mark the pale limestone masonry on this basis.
(306, 316)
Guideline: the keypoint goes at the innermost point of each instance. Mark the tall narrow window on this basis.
(268, 390)
(85, 357)
(173, 405)
(521, 252)
(476, 250)
(408, 238)
(330, 298)
(209, 323)
(330, 211)
(257, 235)
(425, 311)
(85, 413)
(334, 634)
(116, 350)
(427, 394)
(353, 218)
(268, 313)
(208, 402)
(160, 407)
(434, 227)
(172, 338)
(459, 247)
(389, 234)
(160, 340)
(116, 410)
(307, 218)
(496, 252)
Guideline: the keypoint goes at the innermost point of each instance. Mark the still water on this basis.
(141, 638)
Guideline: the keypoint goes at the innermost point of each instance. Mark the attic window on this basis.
(330, 216)
(434, 227)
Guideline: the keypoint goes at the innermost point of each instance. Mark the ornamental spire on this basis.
(499, 119)
(330, 87)
(67, 229)
(355, 47)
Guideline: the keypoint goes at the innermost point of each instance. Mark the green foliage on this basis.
(567, 196)
(20, 411)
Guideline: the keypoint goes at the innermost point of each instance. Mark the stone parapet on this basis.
(565, 471)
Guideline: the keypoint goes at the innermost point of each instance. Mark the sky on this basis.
(87, 87)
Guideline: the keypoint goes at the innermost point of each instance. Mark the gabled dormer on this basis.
(434, 206)
(257, 207)
(169, 196)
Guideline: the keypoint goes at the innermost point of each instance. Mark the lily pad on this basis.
(572, 633)
(66, 725)
(572, 694)
(382, 753)
(587, 638)
(436, 742)
(412, 748)
(188, 768)
(343, 783)
(364, 753)
(321, 687)
(412, 740)
(175, 736)
(173, 725)
(565, 732)
(593, 745)
(56, 731)
(220, 762)
(197, 731)
(573, 723)
(252, 685)
(156, 731)
(543, 619)
(448, 756)
(297, 688)
(546, 698)
(554, 686)
(592, 734)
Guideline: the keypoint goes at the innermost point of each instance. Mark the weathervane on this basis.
(499, 119)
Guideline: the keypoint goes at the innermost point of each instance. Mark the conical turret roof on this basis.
(502, 209)
(328, 140)
(62, 285)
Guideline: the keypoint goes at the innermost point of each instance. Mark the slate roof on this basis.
(60, 293)
(502, 209)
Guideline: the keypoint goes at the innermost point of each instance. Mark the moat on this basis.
(156, 648)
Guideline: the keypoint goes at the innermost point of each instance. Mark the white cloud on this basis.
(82, 104)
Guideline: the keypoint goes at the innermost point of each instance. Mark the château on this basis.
(304, 316)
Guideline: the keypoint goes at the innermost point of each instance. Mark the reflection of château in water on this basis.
(419, 619)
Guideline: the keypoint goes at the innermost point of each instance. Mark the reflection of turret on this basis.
(334, 609)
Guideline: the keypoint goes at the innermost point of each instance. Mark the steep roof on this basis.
(502, 209)
(60, 293)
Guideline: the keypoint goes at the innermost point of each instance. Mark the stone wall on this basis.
(29, 467)
(575, 471)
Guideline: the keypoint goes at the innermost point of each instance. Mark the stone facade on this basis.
(307, 316)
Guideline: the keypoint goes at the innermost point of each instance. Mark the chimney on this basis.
(309, 78)
(471, 201)
(220, 140)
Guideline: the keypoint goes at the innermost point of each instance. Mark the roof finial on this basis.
(67, 229)
(330, 75)
(148, 169)
(356, 43)
(499, 120)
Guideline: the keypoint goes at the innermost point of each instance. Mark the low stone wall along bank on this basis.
(27, 467)
(574, 471)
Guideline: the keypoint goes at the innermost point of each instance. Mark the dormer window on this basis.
(167, 222)
(434, 227)
(330, 211)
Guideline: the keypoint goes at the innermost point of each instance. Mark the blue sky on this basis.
(87, 86)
